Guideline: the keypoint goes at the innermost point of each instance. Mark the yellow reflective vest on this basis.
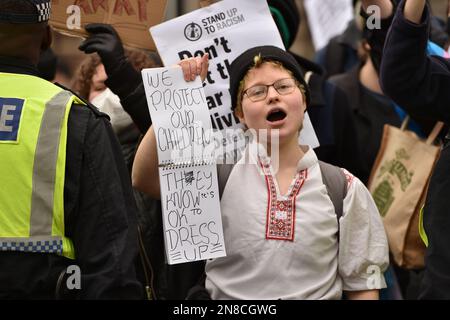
(33, 136)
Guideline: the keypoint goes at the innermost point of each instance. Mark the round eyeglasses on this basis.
(282, 86)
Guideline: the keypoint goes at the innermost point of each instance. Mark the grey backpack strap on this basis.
(223, 172)
(336, 183)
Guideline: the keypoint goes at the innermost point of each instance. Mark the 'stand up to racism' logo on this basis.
(193, 31)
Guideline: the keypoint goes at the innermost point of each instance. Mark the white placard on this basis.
(179, 115)
(327, 18)
(187, 171)
(223, 30)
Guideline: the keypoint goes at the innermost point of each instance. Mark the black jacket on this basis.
(341, 52)
(100, 217)
(335, 127)
(127, 83)
(371, 113)
(421, 84)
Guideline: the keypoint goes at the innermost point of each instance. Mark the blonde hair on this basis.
(258, 61)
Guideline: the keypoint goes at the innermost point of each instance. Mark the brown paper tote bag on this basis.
(398, 183)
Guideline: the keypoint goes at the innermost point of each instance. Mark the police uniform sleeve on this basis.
(363, 246)
(102, 219)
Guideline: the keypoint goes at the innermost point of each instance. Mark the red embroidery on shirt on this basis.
(349, 178)
(280, 220)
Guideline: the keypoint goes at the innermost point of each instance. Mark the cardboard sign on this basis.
(131, 18)
(187, 171)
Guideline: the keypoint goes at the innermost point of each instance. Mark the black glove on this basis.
(104, 40)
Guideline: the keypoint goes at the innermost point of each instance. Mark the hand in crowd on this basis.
(385, 6)
(414, 10)
(104, 40)
(192, 67)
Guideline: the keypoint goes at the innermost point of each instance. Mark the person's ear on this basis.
(47, 38)
(304, 106)
(240, 116)
(302, 101)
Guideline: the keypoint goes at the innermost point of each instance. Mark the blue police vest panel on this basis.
(10, 113)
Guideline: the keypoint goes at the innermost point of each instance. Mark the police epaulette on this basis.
(94, 109)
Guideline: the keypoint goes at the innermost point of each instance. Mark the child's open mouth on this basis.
(276, 115)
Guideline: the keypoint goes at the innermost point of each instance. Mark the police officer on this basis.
(67, 214)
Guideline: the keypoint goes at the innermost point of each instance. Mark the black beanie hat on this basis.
(40, 13)
(240, 66)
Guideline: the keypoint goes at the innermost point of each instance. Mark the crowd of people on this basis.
(79, 166)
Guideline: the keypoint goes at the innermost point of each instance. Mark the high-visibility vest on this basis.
(33, 137)
(422, 233)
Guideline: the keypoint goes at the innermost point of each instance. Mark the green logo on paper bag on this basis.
(383, 196)
(384, 191)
